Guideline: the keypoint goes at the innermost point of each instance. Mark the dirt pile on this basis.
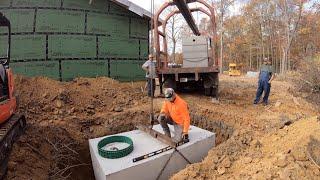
(282, 154)
(306, 80)
(268, 142)
(81, 95)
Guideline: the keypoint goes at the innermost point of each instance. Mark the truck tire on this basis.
(207, 91)
(170, 83)
(215, 92)
(210, 84)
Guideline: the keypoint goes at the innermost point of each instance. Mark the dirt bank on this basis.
(269, 142)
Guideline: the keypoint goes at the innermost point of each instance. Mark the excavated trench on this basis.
(222, 130)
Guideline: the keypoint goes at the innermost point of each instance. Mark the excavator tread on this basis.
(9, 133)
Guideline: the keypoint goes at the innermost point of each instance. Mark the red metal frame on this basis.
(162, 62)
(8, 105)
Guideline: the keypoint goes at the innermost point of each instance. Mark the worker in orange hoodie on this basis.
(175, 111)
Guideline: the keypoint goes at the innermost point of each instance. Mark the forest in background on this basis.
(285, 31)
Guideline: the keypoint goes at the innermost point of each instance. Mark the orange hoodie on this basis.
(178, 111)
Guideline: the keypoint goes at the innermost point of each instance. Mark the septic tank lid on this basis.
(114, 147)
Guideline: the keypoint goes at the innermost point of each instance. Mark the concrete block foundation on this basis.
(201, 141)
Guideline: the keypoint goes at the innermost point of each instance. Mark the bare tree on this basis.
(223, 7)
(174, 29)
(291, 11)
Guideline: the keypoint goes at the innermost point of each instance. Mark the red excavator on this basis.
(12, 125)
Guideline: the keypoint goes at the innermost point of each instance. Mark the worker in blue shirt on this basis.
(266, 76)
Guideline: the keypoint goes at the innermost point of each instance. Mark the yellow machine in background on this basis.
(235, 69)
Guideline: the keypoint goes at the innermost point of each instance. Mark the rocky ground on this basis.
(278, 141)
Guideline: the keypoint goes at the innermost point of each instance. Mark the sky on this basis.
(146, 4)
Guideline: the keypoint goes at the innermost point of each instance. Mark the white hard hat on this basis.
(169, 94)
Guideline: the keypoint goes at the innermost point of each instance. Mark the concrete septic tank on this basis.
(201, 141)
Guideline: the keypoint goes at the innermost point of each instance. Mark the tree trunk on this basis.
(221, 36)
(289, 36)
(174, 50)
(173, 39)
(250, 58)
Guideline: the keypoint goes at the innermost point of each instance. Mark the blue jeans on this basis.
(151, 87)
(263, 86)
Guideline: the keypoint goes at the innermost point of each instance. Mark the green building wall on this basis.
(64, 39)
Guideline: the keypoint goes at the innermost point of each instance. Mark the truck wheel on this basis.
(170, 83)
(215, 92)
(207, 91)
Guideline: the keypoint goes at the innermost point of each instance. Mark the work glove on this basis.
(161, 117)
(185, 137)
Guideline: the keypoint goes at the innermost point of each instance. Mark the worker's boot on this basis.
(177, 133)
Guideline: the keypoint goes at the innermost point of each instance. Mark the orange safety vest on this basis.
(178, 111)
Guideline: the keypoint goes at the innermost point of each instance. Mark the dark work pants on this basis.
(265, 87)
(178, 129)
(153, 88)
